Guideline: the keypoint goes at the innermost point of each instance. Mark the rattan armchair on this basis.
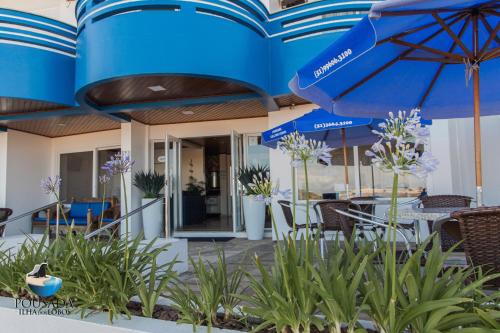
(286, 207)
(326, 213)
(448, 229)
(480, 228)
(366, 208)
(4, 215)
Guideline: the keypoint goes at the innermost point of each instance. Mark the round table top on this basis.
(380, 201)
(427, 214)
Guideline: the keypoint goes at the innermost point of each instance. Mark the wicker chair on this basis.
(4, 215)
(480, 229)
(326, 212)
(440, 201)
(448, 229)
(366, 208)
(286, 207)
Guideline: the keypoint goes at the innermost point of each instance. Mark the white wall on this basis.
(27, 162)
(61, 10)
(462, 157)
(280, 164)
(440, 182)
(209, 128)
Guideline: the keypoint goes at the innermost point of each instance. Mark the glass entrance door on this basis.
(236, 163)
(166, 162)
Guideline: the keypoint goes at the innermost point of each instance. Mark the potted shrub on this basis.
(254, 211)
(151, 184)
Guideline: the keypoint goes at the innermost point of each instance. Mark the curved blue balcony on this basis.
(37, 62)
(197, 49)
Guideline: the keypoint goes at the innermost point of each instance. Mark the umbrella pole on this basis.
(477, 140)
(477, 116)
(346, 170)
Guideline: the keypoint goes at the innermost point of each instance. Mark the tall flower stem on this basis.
(61, 208)
(307, 206)
(294, 202)
(126, 228)
(392, 237)
(103, 201)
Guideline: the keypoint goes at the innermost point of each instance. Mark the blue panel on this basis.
(234, 40)
(38, 58)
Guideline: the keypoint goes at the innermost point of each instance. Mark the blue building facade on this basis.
(235, 49)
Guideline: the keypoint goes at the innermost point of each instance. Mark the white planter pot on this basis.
(152, 219)
(255, 217)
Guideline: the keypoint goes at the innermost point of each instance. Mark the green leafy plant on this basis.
(194, 186)
(430, 297)
(151, 183)
(151, 287)
(96, 274)
(218, 289)
(337, 282)
(248, 174)
(285, 298)
(13, 267)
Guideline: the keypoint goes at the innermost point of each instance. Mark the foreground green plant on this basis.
(337, 281)
(96, 274)
(218, 289)
(149, 289)
(430, 297)
(285, 298)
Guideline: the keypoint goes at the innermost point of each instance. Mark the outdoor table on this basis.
(381, 201)
(425, 214)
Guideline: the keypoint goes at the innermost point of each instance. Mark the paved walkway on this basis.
(239, 253)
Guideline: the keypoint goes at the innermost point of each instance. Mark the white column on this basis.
(134, 141)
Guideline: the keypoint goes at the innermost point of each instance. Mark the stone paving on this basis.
(239, 253)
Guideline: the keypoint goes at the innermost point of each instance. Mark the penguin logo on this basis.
(41, 284)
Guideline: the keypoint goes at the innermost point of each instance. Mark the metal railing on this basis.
(31, 212)
(121, 219)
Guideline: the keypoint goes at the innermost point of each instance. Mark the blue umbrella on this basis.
(335, 130)
(413, 53)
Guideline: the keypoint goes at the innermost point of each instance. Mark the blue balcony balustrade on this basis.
(37, 62)
(237, 42)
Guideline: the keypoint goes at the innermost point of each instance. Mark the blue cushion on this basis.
(78, 210)
(40, 219)
(78, 221)
(107, 220)
(97, 207)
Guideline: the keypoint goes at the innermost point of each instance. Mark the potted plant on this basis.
(151, 184)
(254, 211)
(193, 199)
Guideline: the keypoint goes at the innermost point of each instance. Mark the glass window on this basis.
(379, 183)
(159, 157)
(328, 180)
(75, 170)
(114, 186)
(257, 154)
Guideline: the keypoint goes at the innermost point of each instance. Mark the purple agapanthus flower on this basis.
(118, 164)
(50, 184)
